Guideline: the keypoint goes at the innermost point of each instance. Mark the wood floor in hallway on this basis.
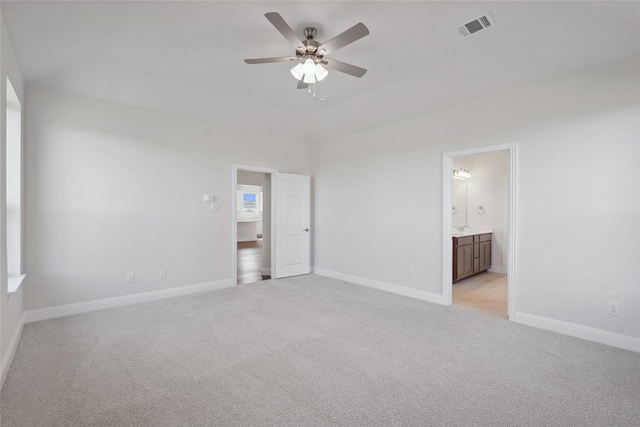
(485, 291)
(250, 262)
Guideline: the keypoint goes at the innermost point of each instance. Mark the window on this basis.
(14, 188)
(249, 204)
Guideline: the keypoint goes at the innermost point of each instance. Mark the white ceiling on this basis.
(187, 57)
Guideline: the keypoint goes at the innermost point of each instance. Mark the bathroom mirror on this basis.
(459, 202)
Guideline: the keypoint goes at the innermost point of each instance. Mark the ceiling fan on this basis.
(311, 55)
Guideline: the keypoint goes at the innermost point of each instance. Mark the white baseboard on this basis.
(588, 333)
(11, 351)
(121, 301)
(496, 269)
(558, 326)
(266, 271)
(388, 287)
(246, 239)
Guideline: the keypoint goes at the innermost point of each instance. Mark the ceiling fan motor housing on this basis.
(310, 47)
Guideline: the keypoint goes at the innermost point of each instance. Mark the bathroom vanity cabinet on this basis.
(471, 255)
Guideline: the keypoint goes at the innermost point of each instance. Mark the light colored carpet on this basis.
(311, 351)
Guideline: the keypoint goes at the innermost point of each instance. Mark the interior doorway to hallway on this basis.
(252, 225)
(286, 221)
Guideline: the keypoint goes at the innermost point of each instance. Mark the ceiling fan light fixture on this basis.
(297, 72)
(321, 72)
(309, 66)
(301, 74)
(309, 78)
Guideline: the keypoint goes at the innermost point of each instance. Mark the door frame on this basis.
(447, 248)
(234, 215)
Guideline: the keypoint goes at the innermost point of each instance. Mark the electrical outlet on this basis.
(412, 273)
(614, 309)
(163, 274)
(131, 277)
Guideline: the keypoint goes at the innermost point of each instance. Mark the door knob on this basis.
(306, 229)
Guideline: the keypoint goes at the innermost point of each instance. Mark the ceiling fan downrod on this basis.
(309, 33)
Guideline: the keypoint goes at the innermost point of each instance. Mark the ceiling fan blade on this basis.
(354, 33)
(270, 60)
(302, 85)
(332, 64)
(284, 28)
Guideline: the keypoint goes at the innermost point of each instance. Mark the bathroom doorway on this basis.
(478, 229)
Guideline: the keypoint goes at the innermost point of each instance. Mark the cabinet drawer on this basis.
(485, 237)
(467, 240)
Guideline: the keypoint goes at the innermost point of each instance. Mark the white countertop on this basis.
(471, 231)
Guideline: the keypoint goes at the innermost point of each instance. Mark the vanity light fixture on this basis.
(461, 173)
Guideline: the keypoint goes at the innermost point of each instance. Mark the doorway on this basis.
(285, 246)
(482, 205)
(250, 221)
(252, 224)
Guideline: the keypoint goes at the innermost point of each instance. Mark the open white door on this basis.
(292, 211)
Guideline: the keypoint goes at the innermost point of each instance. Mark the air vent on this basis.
(478, 24)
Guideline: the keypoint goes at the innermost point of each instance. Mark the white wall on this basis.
(112, 189)
(252, 178)
(378, 208)
(11, 306)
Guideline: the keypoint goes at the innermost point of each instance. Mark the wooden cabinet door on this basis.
(465, 261)
(485, 256)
